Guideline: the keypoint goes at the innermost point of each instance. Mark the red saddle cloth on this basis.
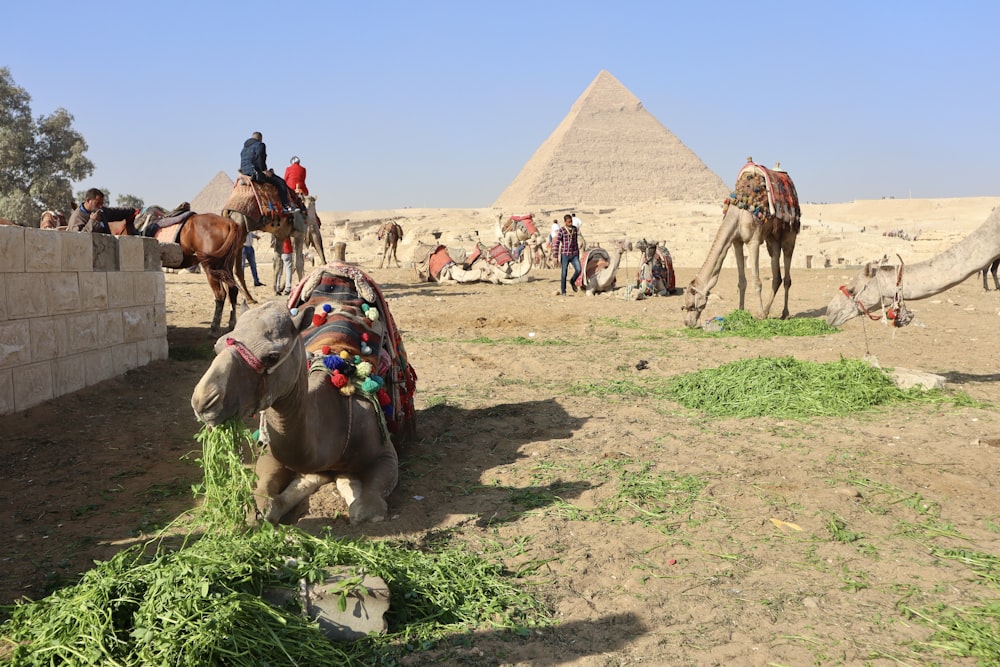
(526, 221)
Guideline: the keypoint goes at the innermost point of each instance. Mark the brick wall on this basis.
(75, 309)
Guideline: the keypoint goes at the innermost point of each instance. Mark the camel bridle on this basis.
(893, 310)
(251, 360)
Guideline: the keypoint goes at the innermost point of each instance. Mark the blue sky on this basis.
(440, 104)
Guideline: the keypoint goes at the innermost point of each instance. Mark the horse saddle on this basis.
(167, 229)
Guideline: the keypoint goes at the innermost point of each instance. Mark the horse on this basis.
(392, 233)
(212, 242)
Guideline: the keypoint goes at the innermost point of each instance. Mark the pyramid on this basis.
(213, 196)
(610, 151)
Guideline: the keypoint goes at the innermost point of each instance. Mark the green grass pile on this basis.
(200, 603)
(743, 324)
(785, 387)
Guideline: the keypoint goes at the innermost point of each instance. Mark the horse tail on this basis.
(230, 252)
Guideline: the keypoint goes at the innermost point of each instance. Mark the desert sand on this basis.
(518, 460)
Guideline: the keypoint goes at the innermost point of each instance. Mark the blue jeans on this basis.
(250, 257)
(565, 261)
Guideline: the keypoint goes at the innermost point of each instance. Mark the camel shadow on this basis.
(564, 643)
(815, 312)
(957, 377)
(446, 472)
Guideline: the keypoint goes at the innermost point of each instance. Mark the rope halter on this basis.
(253, 361)
(894, 311)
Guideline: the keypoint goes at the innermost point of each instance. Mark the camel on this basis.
(880, 287)
(600, 268)
(332, 387)
(392, 233)
(991, 268)
(517, 230)
(314, 236)
(764, 208)
(656, 274)
(495, 265)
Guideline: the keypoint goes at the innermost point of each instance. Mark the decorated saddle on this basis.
(259, 203)
(593, 261)
(430, 261)
(526, 221)
(498, 255)
(766, 192)
(162, 225)
(354, 340)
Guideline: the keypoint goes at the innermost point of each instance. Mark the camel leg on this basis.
(317, 238)
(398, 265)
(754, 250)
(788, 248)
(741, 269)
(366, 495)
(300, 488)
(774, 252)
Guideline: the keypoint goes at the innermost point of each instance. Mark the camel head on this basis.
(257, 363)
(695, 301)
(873, 286)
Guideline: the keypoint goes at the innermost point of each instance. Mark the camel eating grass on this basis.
(879, 289)
(764, 208)
(330, 379)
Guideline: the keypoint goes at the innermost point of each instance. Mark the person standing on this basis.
(567, 249)
(253, 163)
(286, 264)
(295, 176)
(250, 257)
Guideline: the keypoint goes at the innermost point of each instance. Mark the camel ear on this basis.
(870, 270)
(303, 317)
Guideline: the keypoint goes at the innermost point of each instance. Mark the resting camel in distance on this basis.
(763, 209)
(392, 233)
(885, 287)
(991, 268)
(600, 268)
(330, 380)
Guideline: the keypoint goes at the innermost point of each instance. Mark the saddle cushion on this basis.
(352, 322)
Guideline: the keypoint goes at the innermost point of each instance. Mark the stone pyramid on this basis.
(213, 196)
(610, 151)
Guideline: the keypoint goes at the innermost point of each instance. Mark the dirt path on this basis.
(520, 460)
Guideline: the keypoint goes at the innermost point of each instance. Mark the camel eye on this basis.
(271, 358)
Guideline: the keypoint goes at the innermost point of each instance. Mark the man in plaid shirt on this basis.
(567, 248)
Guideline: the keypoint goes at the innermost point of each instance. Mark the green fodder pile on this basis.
(200, 603)
(743, 324)
(785, 387)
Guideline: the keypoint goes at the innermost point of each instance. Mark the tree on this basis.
(129, 201)
(39, 158)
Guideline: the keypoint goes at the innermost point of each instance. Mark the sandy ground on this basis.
(517, 459)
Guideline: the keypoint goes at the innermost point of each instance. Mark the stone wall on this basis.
(75, 309)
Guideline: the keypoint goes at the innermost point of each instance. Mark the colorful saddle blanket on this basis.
(352, 327)
(260, 204)
(526, 221)
(766, 192)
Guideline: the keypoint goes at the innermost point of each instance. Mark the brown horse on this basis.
(215, 244)
(392, 233)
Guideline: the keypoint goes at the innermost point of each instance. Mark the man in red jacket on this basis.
(295, 177)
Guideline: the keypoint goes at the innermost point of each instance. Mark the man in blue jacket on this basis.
(253, 163)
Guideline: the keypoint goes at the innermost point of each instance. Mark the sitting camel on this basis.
(600, 268)
(991, 268)
(656, 273)
(392, 233)
(763, 209)
(331, 382)
(882, 289)
(495, 265)
(517, 230)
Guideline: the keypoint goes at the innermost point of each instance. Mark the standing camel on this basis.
(314, 237)
(764, 208)
(392, 233)
(879, 287)
(991, 268)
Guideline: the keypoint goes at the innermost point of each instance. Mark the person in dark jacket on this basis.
(92, 216)
(253, 163)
